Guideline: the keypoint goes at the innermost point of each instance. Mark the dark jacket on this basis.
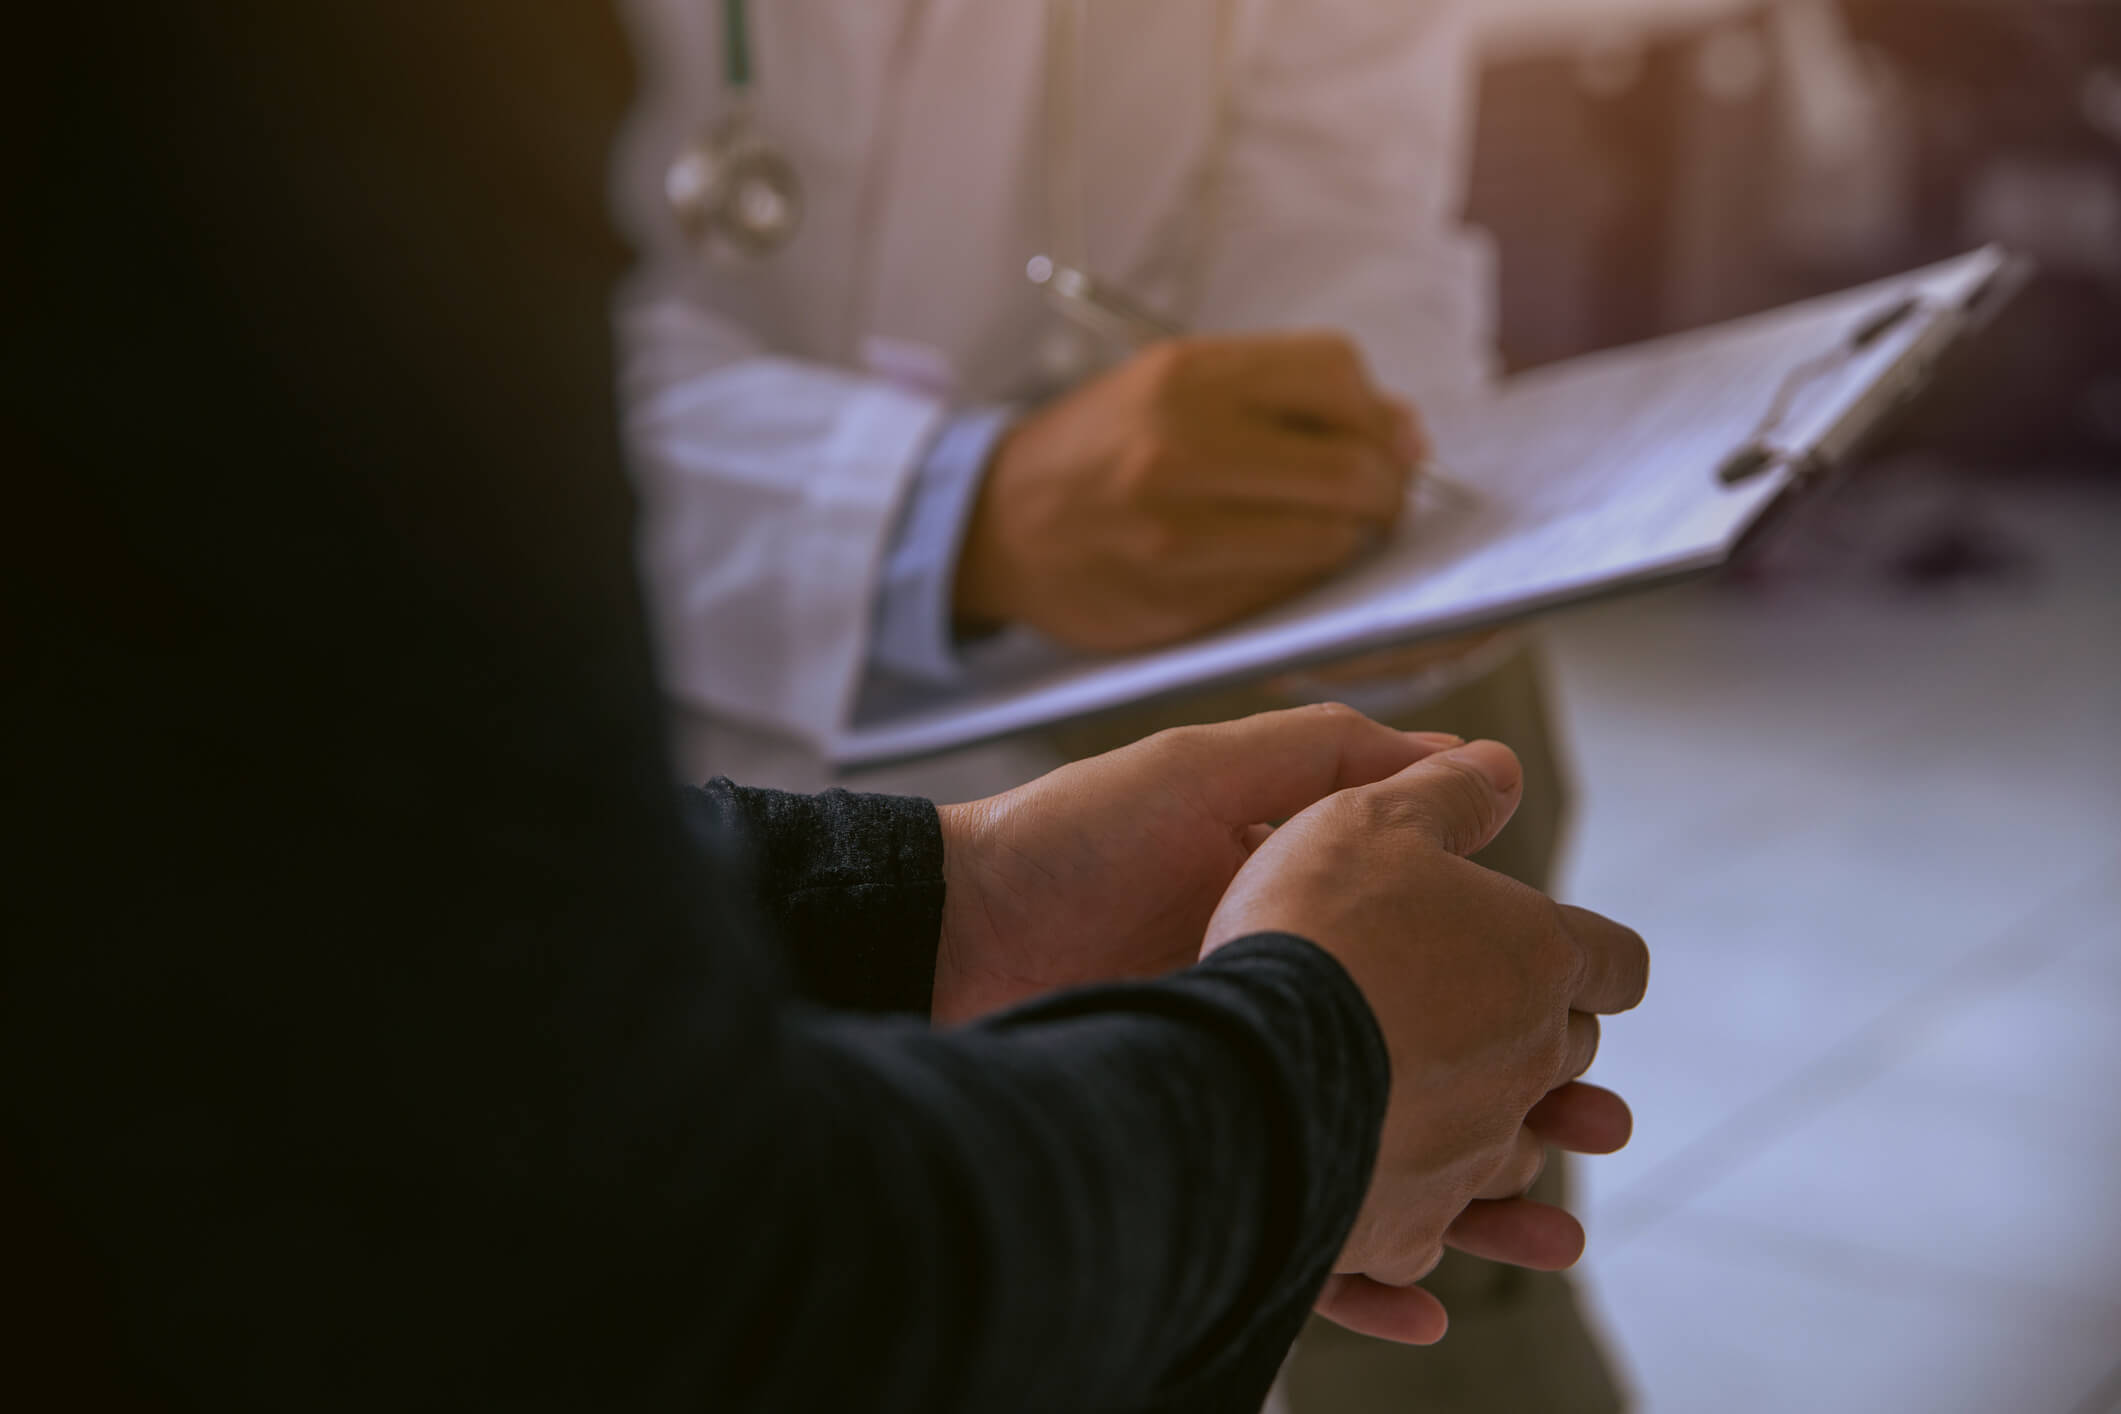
(380, 1030)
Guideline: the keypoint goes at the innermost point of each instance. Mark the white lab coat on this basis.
(771, 460)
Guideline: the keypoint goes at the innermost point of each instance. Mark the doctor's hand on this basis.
(1202, 481)
(1487, 994)
(1109, 869)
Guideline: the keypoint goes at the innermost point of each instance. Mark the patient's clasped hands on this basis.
(1486, 992)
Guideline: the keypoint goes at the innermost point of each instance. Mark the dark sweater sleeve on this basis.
(849, 887)
(1063, 1209)
(374, 1033)
(1292, 1017)
(849, 890)
(1009, 1105)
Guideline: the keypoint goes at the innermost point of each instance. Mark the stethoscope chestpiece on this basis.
(734, 194)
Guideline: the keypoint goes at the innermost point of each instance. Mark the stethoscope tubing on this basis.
(706, 182)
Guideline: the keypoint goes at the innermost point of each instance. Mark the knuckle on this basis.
(1168, 366)
(1360, 814)
(1521, 1169)
(1462, 798)
(1413, 1250)
(1180, 748)
(1375, 811)
(1555, 959)
(1544, 1071)
(1389, 812)
(1337, 717)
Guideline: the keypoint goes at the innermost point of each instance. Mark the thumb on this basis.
(1278, 764)
(1456, 801)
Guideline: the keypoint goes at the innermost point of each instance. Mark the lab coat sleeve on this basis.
(1339, 192)
(769, 489)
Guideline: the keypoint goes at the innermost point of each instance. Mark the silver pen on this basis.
(1110, 315)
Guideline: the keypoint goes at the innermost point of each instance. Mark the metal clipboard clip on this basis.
(1761, 452)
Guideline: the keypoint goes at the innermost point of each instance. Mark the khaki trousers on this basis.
(1519, 1344)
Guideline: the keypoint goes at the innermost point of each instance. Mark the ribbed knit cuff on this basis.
(850, 885)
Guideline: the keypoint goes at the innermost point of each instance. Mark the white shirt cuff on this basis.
(915, 637)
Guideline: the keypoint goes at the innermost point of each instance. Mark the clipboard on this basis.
(1607, 474)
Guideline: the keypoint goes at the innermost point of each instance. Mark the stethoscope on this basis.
(733, 192)
(736, 194)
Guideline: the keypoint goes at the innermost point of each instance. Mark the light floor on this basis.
(1875, 843)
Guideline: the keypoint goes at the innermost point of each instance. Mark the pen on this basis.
(1107, 313)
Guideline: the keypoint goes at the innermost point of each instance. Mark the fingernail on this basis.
(1438, 741)
(1495, 761)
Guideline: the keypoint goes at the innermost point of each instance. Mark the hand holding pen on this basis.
(1112, 316)
(1201, 481)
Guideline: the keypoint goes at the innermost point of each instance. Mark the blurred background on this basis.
(1864, 792)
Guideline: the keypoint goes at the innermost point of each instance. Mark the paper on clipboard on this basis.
(1592, 476)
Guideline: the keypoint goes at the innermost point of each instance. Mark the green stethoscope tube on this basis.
(736, 44)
